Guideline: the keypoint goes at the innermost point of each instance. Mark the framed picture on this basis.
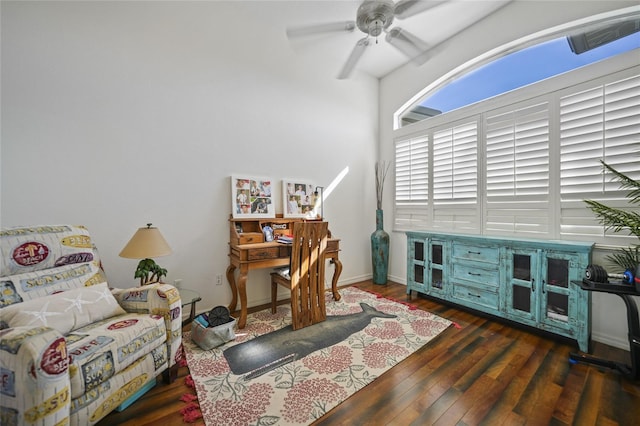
(252, 197)
(298, 198)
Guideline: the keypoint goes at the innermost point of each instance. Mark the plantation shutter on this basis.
(455, 164)
(517, 170)
(599, 123)
(455, 178)
(412, 183)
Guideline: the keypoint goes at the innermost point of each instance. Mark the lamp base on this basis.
(149, 272)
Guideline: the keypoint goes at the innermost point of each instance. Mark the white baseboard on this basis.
(400, 280)
(611, 341)
(349, 281)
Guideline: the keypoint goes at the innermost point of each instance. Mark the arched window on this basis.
(528, 65)
(517, 160)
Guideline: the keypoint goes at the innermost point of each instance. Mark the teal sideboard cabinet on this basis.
(523, 280)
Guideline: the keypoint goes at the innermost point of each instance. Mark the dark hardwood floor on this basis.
(482, 372)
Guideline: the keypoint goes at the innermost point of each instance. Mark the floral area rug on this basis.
(300, 391)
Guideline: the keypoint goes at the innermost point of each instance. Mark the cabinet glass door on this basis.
(417, 265)
(557, 306)
(436, 266)
(521, 293)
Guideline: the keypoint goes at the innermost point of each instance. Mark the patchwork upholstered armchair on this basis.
(71, 348)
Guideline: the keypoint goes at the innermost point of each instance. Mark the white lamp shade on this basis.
(146, 243)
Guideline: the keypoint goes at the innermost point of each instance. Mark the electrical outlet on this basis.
(218, 279)
(177, 283)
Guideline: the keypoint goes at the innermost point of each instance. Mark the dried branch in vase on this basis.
(382, 167)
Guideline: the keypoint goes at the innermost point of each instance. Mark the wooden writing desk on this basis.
(248, 250)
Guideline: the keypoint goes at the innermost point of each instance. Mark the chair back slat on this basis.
(307, 273)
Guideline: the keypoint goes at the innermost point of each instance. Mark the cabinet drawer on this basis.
(251, 238)
(481, 277)
(476, 253)
(476, 296)
(263, 253)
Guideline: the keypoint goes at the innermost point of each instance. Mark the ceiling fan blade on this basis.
(331, 27)
(353, 59)
(407, 8)
(412, 46)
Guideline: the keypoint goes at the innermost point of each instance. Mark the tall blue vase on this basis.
(380, 251)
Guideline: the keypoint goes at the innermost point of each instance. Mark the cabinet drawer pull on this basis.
(474, 295)
(474, 274)
(473, 252)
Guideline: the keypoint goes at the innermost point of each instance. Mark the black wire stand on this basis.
(625, 291)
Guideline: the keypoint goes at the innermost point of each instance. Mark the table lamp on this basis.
(147, 243)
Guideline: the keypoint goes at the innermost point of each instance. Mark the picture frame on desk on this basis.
(298, 199)
(252, 197)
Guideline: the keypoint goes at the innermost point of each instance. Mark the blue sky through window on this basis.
(521, 68)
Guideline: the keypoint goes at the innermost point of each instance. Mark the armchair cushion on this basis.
(102, 349)
(33, 285)
(65, 311)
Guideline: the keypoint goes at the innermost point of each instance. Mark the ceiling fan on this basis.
(373, 18)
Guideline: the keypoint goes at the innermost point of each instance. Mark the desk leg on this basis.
(334, 281)
(234, 290)
(242, 292)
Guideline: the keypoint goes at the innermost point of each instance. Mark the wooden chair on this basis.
(306, 274)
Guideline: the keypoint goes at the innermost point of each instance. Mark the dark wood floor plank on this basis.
(589, 405)
(486, 372)
(616, 405)
(493, 350)
(542, 392)
(569, 398)
(509, 363)
(433, 414)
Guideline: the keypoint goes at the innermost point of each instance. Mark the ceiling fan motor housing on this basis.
(375, 16)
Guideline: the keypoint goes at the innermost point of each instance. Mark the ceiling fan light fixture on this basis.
(375, 16)
(375, 28)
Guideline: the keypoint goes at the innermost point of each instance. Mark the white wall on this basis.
(516, 20)
(115, 114)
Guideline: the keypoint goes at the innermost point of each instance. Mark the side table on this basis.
(189, 297)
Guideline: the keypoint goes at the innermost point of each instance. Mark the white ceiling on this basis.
(433, 26)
